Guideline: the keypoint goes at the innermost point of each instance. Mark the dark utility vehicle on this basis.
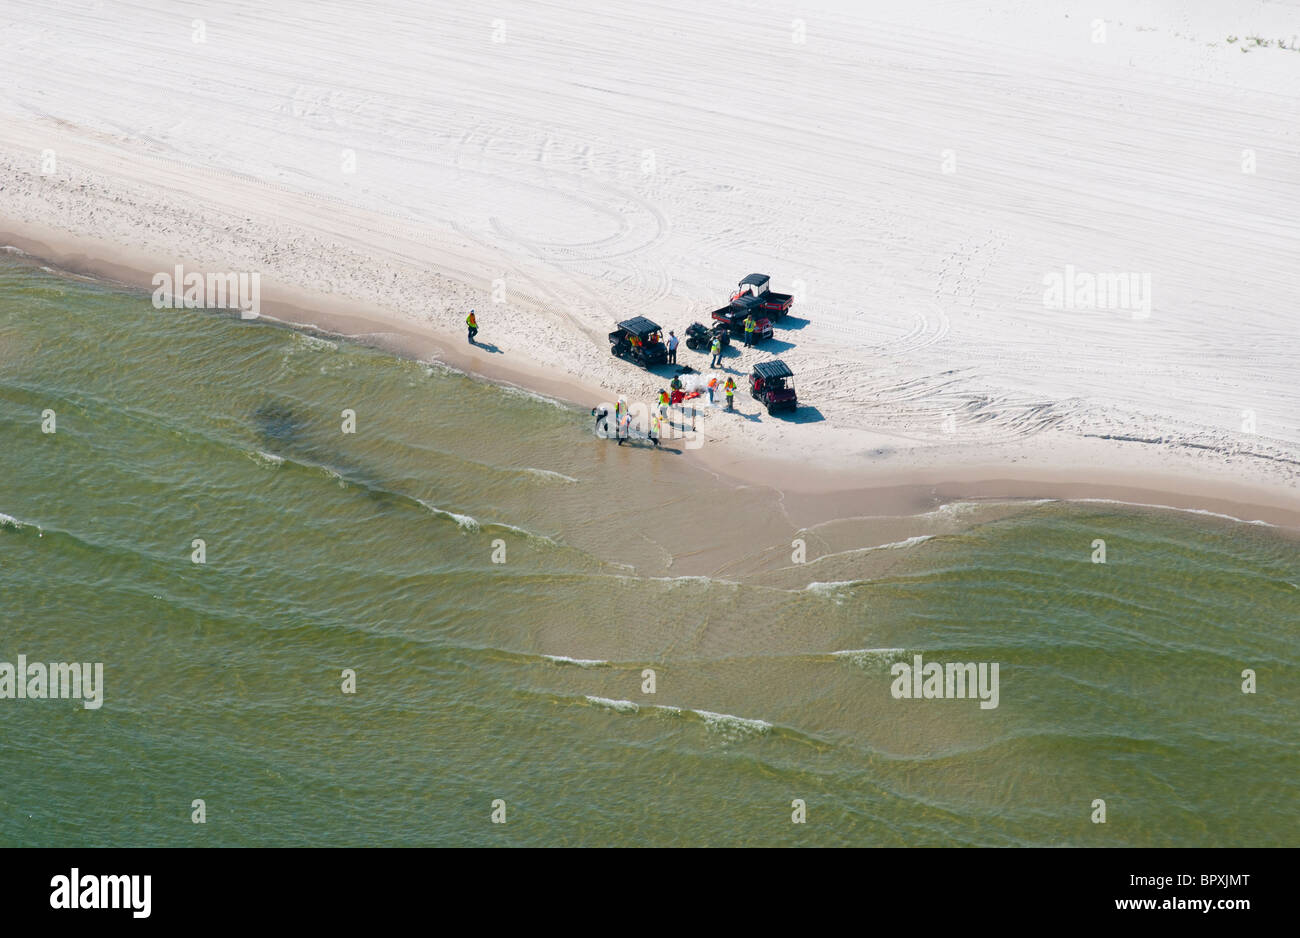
(772, 383)
(639, 340)
(754, 289)
(699, 337)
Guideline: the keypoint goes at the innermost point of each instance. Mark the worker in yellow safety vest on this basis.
(749, 330)
(730, 388)
(472, 323)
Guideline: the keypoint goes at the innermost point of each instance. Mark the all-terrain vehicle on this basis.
(733, 318)
(639, 340)
(772, 384)
(699, 337)
(754, 289)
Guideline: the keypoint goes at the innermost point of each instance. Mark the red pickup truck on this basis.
(754, 289)
(734, 318)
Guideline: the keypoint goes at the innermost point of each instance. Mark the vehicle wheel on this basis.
(769, 408)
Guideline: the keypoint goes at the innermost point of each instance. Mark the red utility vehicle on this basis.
(772, 384)
(755, 287)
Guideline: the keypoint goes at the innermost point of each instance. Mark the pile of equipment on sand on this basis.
(694, 390)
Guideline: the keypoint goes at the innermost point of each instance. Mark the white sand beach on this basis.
(918, 174)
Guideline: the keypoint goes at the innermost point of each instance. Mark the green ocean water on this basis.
(523, 680)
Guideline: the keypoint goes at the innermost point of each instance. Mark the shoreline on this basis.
(928, 360)
(810, 494)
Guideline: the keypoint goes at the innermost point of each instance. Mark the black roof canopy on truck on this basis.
(773, 369)
(639, 326)
(756, 280)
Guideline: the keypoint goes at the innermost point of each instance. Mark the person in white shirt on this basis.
(672, 348)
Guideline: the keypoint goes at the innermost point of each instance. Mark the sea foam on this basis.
(465, 522)
(9, 521)
(549, 475)
(733, 727)
(620, 706)
(870, 657)
(577, 662)
(266, 459)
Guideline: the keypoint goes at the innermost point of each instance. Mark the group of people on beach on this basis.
(677, 397)
(623, 423)
(711, 387)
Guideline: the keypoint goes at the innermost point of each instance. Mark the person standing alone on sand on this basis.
(472, 323)
(672, 348)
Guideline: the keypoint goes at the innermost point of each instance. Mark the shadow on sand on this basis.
(803, 414)
(773, 346)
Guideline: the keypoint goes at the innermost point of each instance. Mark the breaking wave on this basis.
(730, 727)
(9, 521)
(465, 522)
(870, 657)
(578, 662)
(266, 459)
(1190, 511)
(733, 727)
(619, 706)
(548, 475)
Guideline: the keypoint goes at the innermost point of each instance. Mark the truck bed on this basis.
(735, 319)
